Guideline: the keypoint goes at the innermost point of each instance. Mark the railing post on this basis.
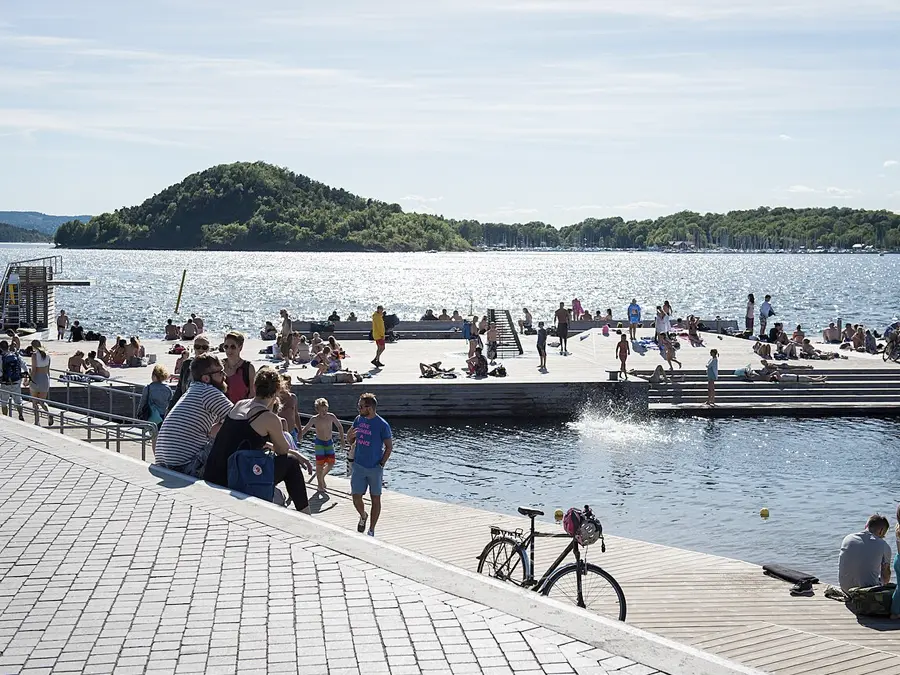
(118, 439)
(62, 421)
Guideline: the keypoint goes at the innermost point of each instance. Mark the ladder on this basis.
(508, 343)
(28, 293)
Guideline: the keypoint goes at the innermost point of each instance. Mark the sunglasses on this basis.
(201, 348)
(221, 371)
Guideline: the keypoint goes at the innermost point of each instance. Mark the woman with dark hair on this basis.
(252, 425)
(40, 380)
(117, 355)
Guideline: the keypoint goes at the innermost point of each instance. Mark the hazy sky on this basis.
(507, 110)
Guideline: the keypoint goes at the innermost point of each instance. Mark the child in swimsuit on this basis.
(324, 423)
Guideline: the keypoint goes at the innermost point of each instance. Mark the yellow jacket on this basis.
(377, 326)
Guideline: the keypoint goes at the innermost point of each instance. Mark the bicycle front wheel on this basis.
(598, 592)
(503, 559)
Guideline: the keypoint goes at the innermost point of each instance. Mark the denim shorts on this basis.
(363, 478)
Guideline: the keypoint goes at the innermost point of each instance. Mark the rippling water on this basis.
(696, 484)
(134, 291)
(690, 483)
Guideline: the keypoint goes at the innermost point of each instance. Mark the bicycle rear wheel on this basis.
(503, 560)
(600, 592)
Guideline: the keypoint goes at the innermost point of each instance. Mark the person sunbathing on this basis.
(76, 362)
(694, 331)
(797, 377)
(831, 335)
(433, 369)
(848, 333)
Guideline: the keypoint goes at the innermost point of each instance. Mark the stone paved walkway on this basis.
(101, 573)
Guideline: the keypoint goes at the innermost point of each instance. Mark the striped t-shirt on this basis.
(185, 430)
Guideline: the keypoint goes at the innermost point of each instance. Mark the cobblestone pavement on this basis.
(101, 574)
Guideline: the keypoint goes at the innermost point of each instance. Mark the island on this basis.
(258, 206)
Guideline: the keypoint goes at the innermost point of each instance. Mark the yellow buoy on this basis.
(558, 514)
(764, 512)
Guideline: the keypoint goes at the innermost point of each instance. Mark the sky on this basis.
(501, 110)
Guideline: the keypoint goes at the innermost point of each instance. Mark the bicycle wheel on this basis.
(600, 593)
(503, 560)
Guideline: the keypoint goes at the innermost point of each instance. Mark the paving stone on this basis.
(104, 574)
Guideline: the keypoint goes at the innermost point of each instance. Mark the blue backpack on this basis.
(253, 473)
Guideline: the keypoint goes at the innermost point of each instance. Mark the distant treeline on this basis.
(257, 206)
(11, 233)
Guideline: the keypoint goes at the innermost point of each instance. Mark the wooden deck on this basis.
(858, 385)
(721, 605)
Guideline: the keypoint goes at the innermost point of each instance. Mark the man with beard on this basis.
(184, 439)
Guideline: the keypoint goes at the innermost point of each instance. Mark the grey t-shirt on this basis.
(862, 556)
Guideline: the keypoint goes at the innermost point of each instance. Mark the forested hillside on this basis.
(13, 234)
(257, 206)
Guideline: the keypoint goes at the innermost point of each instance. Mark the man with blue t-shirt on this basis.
(373, 444)
(634, 318)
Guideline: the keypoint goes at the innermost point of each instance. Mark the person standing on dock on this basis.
(561, 318)
(765, 311)
(542, 345)
(712, 374)
(623, 351)
(62, 323)
(751, 314)
(634, 318)
(378, 336)
(373, 445)
(286, 337)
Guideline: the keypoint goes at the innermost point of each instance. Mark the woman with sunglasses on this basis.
(239, 374)
(201, 346)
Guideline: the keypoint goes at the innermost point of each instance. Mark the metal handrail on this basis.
(69, 378)
(125, 428)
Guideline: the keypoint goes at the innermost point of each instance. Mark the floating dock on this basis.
(858, 385)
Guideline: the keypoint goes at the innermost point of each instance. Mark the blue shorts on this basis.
(364, 478)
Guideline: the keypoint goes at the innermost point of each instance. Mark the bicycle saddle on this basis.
(531, 513)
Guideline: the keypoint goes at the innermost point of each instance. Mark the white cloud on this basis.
(801, 189)
(418, 199)
(633, 206)
(785, 137)
(891, 162)
(841, 193)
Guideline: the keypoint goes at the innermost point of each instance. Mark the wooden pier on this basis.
(724, 606)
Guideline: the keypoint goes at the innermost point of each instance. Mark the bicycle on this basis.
(509, 555)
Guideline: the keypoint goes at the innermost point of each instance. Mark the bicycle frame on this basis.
(526, 545)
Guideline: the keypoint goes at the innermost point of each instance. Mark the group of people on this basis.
(219, 413)
(15, 375)
(191, 329)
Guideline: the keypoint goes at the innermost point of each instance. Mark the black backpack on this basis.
(12, 368)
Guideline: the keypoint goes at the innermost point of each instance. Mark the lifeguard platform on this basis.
(29, 292)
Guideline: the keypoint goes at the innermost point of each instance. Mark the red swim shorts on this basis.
(380, 342)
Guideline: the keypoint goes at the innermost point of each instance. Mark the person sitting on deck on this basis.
(301, 354)
(189, 330)
(351, 316)
(831, 335)
(478, 365)
(428, 316)
(694, 331)
(269, 332)
(117, 353)
(456, 316)
(336, 347)
(870, 344)
(77, 332)
(334, 316)
(95, 366)
(848, 333)
(197, 322)
(586, 316)
(172, 331)
(859, 339)
(865, 558)
(525, 323)
(444, 316)
(798, 335)
(76, 362)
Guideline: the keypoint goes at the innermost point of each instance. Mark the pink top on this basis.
(237, 388)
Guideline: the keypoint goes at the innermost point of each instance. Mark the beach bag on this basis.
(871, 600)
(253, 473)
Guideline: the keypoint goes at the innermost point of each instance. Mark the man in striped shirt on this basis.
(195, 419)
